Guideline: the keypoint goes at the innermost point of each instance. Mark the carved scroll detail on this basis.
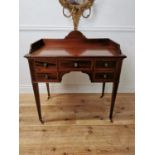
(76, 10)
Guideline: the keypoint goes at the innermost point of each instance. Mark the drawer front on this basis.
(105, 64)
(46, 77)
(75, 64)
(44, 66)
(103, 76)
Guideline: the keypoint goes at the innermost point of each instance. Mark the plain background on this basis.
(145, 75)
(109, 19)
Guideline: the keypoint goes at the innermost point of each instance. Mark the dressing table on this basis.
(50, 59)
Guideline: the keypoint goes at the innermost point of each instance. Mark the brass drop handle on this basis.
(76, 64)
(65, 13)
(88, 15)
(46, 76)
(45, 64)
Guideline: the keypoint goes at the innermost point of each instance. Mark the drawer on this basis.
(47, 77)
(103, 76)
(75, 64)
(44, 66)
(105, 64)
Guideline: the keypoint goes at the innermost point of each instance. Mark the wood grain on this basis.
(77, 124)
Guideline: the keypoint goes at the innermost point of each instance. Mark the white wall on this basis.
(110, 19)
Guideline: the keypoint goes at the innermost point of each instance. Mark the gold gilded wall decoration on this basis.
(76, 9)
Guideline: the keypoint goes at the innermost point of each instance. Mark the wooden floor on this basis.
(77, 124)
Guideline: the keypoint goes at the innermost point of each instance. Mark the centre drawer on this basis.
(75, 64)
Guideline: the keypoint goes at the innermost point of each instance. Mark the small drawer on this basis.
(47, 77)
(103, 64)
(103, 76)
(75, 64)
(42, 66)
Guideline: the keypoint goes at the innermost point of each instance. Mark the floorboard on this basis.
(77, 124)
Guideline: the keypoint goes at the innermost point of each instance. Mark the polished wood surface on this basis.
(70, 52)
(51, 59)
(79, 48)
(77, 124)
(75, 44)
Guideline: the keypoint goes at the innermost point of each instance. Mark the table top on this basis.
(75, 45)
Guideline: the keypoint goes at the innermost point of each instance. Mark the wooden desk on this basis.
(50, 59)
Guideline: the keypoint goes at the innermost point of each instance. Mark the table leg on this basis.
(114, 93)
(37, 100)
(103, 88)
(48, 90)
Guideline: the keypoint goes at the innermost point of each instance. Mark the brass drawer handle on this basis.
(45, 64)
(76, 64)
(106, 64)
(46, 76)
(105, 76)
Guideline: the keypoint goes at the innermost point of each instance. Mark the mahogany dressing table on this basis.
(50, 59)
